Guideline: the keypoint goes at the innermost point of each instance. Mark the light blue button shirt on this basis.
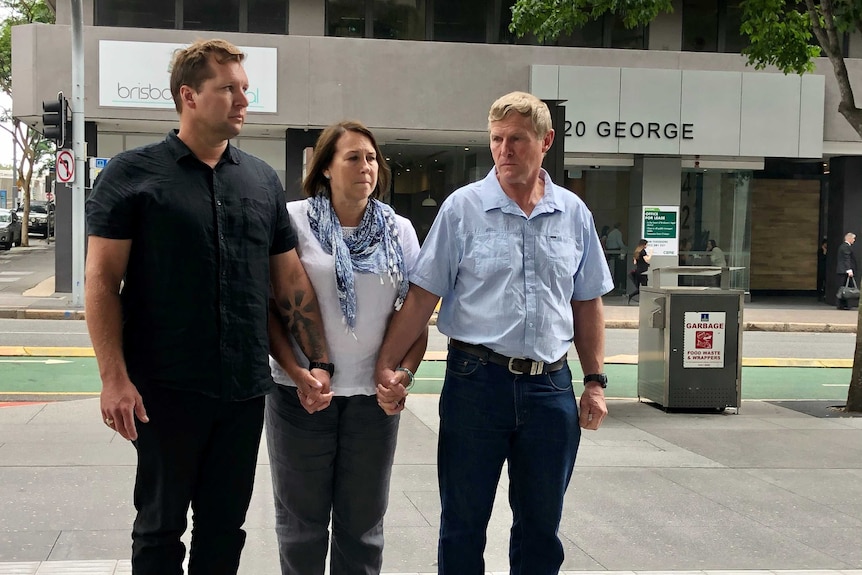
(506, 279)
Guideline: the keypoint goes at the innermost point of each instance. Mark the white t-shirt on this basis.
(354, 357)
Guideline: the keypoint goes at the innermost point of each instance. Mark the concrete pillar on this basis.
(654, 182)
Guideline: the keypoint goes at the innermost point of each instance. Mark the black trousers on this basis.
(196, 451)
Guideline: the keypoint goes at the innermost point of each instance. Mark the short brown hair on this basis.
(525, 104)
(191, 65)
(324, 150)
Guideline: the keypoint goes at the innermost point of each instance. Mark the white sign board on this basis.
(96, 167)
(65, 166)
(137, 75)
(686, 112)
(703, 341)
(660, 227)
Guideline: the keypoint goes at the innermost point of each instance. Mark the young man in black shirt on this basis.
(187, 240)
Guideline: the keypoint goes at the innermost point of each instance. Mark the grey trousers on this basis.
(337, 461)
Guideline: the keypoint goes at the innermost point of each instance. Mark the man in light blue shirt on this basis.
(521, 271)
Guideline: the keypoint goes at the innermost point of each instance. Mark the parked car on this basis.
(10, 229)
(41, 218)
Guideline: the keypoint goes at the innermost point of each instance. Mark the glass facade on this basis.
(267, 16)
(399, 19)
(716, 205)
(136, 13)
(256, 16)
(700, 25)
(458, 21)
(221, 15)
(345, 18)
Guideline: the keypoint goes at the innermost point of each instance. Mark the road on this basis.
(755, 344)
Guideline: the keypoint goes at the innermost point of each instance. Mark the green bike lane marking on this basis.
(79, 376)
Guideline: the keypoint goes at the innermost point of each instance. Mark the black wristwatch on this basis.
(600, 378)
(328, 367)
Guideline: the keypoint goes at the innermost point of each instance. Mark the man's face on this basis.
(218, 109)
(851, 240)
(517, 149)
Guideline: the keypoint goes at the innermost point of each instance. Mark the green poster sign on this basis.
(659, 224)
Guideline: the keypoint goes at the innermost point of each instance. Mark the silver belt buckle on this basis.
(536, 367)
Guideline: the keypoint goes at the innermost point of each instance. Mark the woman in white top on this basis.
(331, 450)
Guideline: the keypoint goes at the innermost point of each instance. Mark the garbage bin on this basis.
(689, 343)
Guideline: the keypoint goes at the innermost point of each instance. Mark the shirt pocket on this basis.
(490, 253)
(563, 254)
(257, 217)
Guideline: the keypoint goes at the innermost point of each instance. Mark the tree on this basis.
(780, 34)
(33, 149)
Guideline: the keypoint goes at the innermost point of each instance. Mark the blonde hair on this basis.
(525, 104)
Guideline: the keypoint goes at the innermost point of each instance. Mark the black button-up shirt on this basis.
(197, 283)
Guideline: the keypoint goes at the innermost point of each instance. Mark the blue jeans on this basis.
(334, 462)
(489, 416)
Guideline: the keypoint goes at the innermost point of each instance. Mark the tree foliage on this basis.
(33, 150)
(785, 34)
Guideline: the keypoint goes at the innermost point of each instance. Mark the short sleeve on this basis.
(437, 266)
(110, 206)
(284, 238)
(409, 245)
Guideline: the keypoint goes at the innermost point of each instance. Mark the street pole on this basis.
(79, 148)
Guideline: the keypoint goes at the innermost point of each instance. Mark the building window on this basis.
(399, 19)
(459, 21)
(267, 16)
(627, 38)
(734, 40)
(136, 13)
(700, 25)
(217, 15)
(345, 18)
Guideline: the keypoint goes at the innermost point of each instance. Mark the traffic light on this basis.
(56, 121)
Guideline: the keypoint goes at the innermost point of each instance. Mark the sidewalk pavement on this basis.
(768, 490)
(796, 314)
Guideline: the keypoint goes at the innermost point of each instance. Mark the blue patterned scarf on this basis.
(372, 248)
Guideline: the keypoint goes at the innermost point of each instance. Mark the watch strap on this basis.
(600, 378)
(328, 367)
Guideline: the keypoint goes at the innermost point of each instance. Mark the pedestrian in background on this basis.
(513, 238)
(186, 238)
(716, 259)
(615, 245)
(846, 267)
(640, 265)
(334, 460)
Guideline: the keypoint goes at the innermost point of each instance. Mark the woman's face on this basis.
(352, 172)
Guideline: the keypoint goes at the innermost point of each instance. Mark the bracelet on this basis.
(409, 374)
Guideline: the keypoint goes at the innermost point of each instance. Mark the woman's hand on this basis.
(392, 392)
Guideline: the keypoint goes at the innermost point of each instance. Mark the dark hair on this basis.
(324, 150)
(191, 65)
(711, 243)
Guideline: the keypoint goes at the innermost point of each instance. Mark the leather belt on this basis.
(516, 365)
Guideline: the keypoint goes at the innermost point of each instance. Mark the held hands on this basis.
(120, 404)
(313, 389)
(850, 273)
(592, 407)
(392, 390)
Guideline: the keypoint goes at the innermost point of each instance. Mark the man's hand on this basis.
(120, 404)
(592, 407)
(313, 389)
(392, 390)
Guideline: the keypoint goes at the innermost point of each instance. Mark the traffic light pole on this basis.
(79, 148)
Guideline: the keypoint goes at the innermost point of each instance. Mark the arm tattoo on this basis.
(301, 314)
